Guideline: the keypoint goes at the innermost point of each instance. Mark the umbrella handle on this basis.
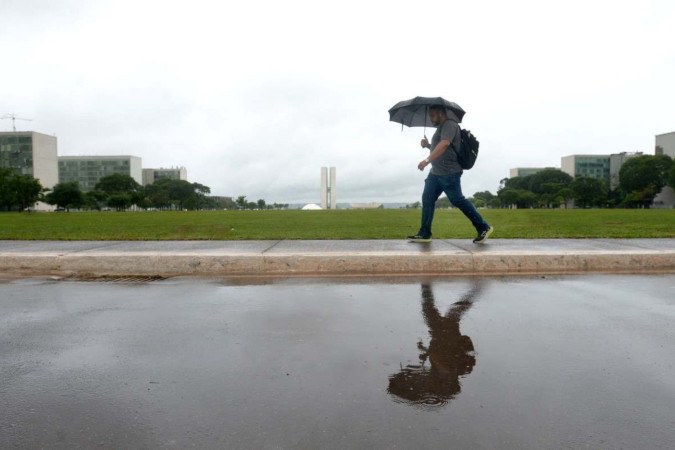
(426, 113)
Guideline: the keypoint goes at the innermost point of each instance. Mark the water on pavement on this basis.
(554, 362)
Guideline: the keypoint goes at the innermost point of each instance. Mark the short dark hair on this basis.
(439, 108)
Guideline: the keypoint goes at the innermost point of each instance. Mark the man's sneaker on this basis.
(419, 238)
(483, 235)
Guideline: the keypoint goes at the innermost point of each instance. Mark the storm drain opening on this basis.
(116, 278)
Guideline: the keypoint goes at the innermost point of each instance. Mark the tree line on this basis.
(116, 191)
(120, 192)
(242, 203)
(641, 178)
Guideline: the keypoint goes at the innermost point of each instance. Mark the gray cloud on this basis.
(253, 99)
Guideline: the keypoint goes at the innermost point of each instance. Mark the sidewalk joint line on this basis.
(98, 247)
(272, 246)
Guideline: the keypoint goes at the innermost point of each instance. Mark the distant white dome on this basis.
(311, 207)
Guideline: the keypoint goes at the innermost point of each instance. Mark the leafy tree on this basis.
(119, 201)
(224, 203)
(477, 202)
(157, 196)
(66, 195)
(18, 191)
(508, 196)
(262, 204)
(201, 189)
(443, 203)
(117, 183)
(7, 194)
(484, 198)
(547, 181)
(94, 200)
(642, 177)
(544, 184)
(522, 183)
(179, 194)
(241, 202)
(615, 198)
(642, 198)
(485, 195)
(671, 177)
(143, 202)
(121, 190)
(589, 192)
(522, 198)
(526, 199)
(28, 190)
(565, 194)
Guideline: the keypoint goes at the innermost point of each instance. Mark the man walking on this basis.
(445, 177)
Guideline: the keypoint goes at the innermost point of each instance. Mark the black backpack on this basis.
(468, 149)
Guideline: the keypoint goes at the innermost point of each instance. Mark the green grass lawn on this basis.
(341, 224)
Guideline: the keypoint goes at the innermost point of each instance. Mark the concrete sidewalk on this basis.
(331, 258)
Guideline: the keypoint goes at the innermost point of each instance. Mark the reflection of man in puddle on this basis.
(449, 353)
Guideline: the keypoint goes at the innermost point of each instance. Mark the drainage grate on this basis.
(116, 278)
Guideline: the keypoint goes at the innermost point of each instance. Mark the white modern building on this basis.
(174, 173)
(311, 207)
(603, 167)
(33, 154)
(88, 170)
(328, 188)
(591, 166)
(665, 144)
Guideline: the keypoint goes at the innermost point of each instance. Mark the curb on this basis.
(168, 264)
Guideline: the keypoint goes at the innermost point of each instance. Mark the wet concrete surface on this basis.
(527, 362)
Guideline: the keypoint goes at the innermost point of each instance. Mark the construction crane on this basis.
(14, 119)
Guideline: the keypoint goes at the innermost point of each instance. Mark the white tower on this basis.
(328, 189)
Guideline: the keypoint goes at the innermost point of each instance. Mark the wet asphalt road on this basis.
(555, 362)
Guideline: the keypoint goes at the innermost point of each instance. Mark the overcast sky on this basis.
(254, 97)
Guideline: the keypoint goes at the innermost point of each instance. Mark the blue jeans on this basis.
(434, 186)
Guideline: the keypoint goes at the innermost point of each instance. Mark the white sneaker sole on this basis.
(486, 236)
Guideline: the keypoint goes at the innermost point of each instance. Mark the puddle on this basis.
(304, 363)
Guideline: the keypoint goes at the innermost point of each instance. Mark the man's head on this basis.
(437, 114)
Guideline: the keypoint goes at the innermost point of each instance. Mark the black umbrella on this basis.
(414, 112)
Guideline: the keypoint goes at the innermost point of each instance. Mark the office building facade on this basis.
(591, 166)
(33, 154)
(152, 175)
(603, 167)
(88, 170)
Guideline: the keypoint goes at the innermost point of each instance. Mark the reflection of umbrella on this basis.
(413, 112)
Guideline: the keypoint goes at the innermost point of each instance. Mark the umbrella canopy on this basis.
(413, 112)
